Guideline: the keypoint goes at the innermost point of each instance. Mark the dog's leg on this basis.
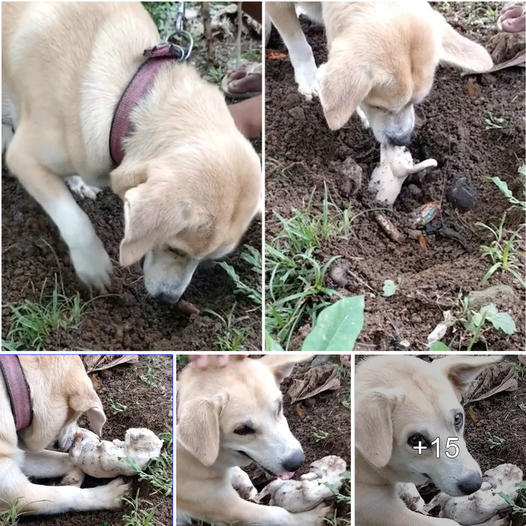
(284, 17)
(31, 498)
(89, 258)
(228, 507)
(52, 464)
(77, 185)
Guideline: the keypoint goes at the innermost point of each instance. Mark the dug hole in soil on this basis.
(127, 318)
(328, 412)
(140, 387)
(302, 154)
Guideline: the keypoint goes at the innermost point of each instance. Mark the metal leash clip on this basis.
(182, 40)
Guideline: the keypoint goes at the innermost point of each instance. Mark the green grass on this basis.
(139, 515)
(518, 507)
(503, 251)
(159, 472)
(10, 516)
(34, 322)
(230, 338)
(116, 407)
(493, 122)
(495, 441)
(296, 273)
(342, 495)
(252, 256)
(149, 376)
(319, 435)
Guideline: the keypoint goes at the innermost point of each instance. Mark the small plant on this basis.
(117, 407)
(138, 516)
(232, 338)
(390, 287)
(33, 323)
(508, 194)
(295, 275)
(495, 441)
(149, 376)
(495, 123)
(253, 257)
(503, 252)
(518, 507)
(319, 435)
(159, 472)
(344, 494)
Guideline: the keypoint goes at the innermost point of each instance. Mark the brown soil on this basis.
(328, 412)
(302, 155)
(141, 387)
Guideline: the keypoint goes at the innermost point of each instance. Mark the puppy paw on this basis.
(77, 185)
(74, 478)
(92, 265)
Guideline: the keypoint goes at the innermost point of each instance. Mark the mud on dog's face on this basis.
(384, 59)
(245, 423)
(393, 422)
(177, 216)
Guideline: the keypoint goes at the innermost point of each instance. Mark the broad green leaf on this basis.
(503, 322)
(502, 186)
(389, 288)
(439, 346)
(337, 326)
(271, 344)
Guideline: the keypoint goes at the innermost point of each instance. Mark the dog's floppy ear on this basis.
(198, 427)
(342, 86)
(463, 53)
(152, 213)
(461, 371)
(374, 425)
(87, 401)
(281, 365)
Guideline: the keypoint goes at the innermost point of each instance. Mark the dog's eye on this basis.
(244, 430)
(418, 440)
(459, 421)
(176, 252)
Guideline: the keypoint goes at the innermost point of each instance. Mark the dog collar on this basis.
(18, 390)
(157, 57)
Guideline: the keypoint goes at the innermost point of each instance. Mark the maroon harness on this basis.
(157, 57)
(17, 389)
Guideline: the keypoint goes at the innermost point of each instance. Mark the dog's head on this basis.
(234, 415)
(190, 182)
(382, 58)
(61, 392)
(403, 403)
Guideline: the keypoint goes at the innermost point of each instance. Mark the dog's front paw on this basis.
(92, 265)
(305, 76)
(112, 493)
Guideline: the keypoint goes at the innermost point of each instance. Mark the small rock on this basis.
(462, 194)
(498, 294)
(338, 274)
(298, 113)
(352, 172)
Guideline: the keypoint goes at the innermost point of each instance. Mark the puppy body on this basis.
(400, 397)
(382, 60)
(227, 418)
(60, 392)
(189, 180)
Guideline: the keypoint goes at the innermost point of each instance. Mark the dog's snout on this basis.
(399, 140)
(293, 461)
(168, 298)
(470, 484)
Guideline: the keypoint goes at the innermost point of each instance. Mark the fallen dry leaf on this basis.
(495, 379)
(316, 380)
(472, 89)
(276, 55)
(100, 362)
(299, 411)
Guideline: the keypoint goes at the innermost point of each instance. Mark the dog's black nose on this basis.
(293, 461)
(399, 140)
(470, 484)
(167, 298)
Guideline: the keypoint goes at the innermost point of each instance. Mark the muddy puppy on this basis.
(228, 418)
(410, 428)
(189, 180)
(381, 61)
(58, 392)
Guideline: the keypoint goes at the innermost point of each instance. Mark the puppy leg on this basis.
(89, 258)
(284, 17)
(39, 499)
(242, 484)
(77, 185)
